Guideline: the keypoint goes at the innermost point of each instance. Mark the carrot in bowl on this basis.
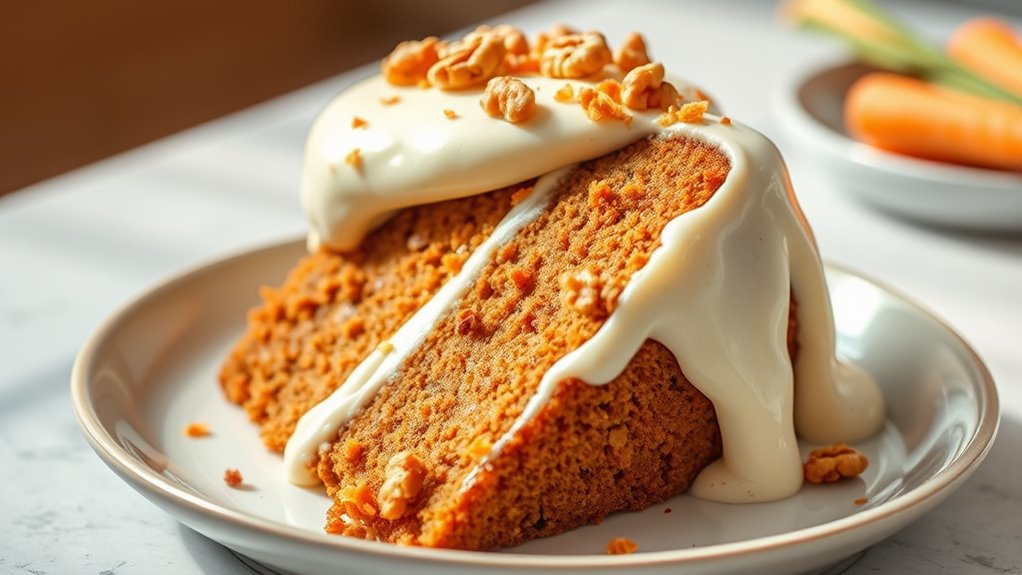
(908, 116)
(989, 48)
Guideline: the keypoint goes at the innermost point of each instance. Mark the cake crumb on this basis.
(357, 123)
(725, 121)
(621, 546)
(354, 158)
(197, 429)
(390, 100)
(566, 94)
(860, 501)
(233, 478)
(829, 464)
(667, 510)
(451, 114)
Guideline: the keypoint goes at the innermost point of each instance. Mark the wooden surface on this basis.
(80, 81)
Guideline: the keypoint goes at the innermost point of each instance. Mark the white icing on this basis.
(715, 292)
(412, 154)
(319, 425)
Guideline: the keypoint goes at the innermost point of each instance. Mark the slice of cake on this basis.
(544, 285)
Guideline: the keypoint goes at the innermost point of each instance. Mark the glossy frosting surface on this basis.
(715, 292)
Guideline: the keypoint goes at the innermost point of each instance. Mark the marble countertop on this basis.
(75, 247)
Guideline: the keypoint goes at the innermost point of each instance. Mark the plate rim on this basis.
(144, 479)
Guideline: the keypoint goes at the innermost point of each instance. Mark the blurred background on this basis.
(80, 81)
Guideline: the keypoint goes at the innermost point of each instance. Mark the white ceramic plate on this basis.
(150, 370)
(810, 107)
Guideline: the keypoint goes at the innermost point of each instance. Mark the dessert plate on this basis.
(810, 107)
(151, 369)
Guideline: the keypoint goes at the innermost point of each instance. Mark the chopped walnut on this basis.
(621, 546)
(586, 291)
(197, 429)
(354, 158)
(544, 38)
(358, 502)
(631, 53)
(612, 88)
(410, 61)
(509, 98)
(644, 88)
(565, 94)
(575, 55)
(598, 106)
(357, 123)
(405, 475)
(690, 113)
(829, 464)
(469, 62)
(233, 478)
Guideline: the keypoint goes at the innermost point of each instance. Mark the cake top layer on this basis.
(715, 292)
(447, 120)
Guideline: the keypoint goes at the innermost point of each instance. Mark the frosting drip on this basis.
(412, 154)
(724, 271)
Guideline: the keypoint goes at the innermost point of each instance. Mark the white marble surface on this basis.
(75, 247)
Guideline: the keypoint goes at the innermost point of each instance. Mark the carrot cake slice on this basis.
(545, 283)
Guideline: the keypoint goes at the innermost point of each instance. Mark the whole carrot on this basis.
(991, 49)
(905, 115)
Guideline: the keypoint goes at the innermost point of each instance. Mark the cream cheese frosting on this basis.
(716, 292)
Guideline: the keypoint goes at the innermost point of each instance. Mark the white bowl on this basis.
(810, 108)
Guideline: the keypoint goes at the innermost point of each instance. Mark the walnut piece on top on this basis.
(575, 55)
(469, 62)
(631, 53)
(509, 98)
(644, 88)
(408, 64)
